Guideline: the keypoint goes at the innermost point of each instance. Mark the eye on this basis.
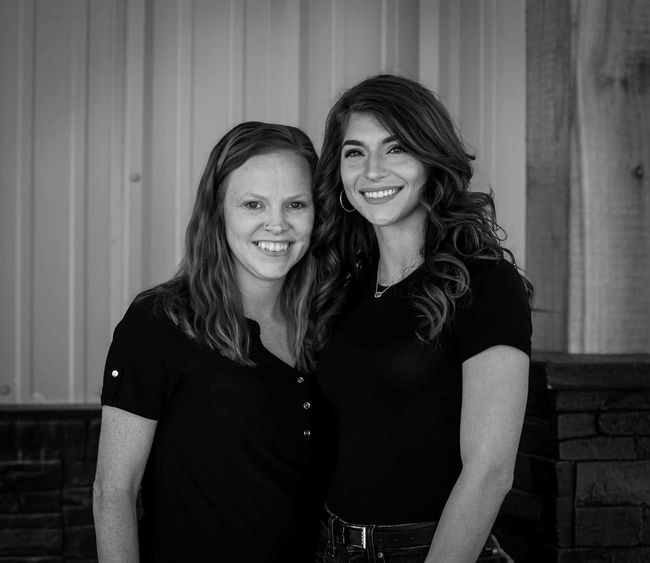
(351, 153)
(253, 204)
(396, 149)
(297, 205)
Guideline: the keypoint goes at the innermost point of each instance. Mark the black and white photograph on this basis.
(325, 281)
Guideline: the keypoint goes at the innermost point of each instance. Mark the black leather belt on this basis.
(401, 535)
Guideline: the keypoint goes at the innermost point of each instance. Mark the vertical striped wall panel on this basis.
(61, 78)
(109, 109)
(16, 195)
(481, 78)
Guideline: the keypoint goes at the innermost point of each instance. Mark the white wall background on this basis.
(109, 108)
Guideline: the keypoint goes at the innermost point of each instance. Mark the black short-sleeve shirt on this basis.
(396, 402)
(228, 476)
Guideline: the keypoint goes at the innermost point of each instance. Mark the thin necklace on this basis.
(404, 273)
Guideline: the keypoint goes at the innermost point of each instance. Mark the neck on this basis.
(399, 250)
(261, 300)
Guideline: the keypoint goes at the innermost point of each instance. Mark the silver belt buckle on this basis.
(363, 534)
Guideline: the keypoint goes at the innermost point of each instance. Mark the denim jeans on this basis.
(333, 550)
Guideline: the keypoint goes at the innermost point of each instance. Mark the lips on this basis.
(273, 247)
(380, 195)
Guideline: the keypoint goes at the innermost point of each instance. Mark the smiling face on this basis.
(268, 213)
(381, 180)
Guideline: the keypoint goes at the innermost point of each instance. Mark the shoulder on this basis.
(495, 310)
(146, 320)
(487, 270)
(145, 360)
(494, 279)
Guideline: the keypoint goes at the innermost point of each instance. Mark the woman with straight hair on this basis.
(426, 370)
(206, 396)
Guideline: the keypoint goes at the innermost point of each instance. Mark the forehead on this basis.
(364, 125)
(283, 170)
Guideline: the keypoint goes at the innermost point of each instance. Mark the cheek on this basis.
(236, 230)
(418, 175)
(306, 225)
(347, 177)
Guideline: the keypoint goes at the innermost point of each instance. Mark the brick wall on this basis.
(47, 467)
(581, 491)
(582, 480)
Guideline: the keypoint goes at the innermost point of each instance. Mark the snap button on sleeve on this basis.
(307, 433)
(306, 405)
(300, 379)
(115, 373)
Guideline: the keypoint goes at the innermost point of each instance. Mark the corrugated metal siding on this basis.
(109, 109)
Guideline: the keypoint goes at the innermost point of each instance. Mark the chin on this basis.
(273, 275)
(380, 220)
(276, 273)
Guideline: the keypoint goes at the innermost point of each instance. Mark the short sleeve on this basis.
(140, 371)
(496, 312)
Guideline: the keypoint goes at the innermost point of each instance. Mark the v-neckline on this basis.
(257, 331)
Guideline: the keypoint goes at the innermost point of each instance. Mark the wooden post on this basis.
(588, 168)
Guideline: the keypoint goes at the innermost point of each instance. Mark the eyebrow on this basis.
(249, 195)
(356, 143)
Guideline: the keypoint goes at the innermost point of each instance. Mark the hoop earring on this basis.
(343, 206)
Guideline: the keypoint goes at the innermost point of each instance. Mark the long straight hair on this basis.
(461, 224)
(203, 298)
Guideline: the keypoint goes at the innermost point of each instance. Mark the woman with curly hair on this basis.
(206, 398)
(426, 370)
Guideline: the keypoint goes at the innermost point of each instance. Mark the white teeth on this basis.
(380, 194)
(273, 246)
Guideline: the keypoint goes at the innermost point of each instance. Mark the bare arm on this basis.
(495, 385)
(124, 446)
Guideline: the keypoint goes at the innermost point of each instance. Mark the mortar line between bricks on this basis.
(575, 492)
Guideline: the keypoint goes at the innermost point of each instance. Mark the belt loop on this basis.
(370, 545)
(331, 545)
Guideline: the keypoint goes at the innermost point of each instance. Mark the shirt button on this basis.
(115, 373)
(306, 405)
(307, 433)
(300, 379)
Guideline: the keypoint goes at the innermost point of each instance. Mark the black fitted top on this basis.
(227, 478)
(396, 402)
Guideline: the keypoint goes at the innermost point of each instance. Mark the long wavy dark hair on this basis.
(203, 298)
(461, 224)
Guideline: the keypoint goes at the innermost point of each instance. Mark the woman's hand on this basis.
(124, 446)
(495, 387)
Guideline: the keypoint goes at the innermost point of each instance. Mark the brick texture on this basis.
(46, 476)
(596, 555)
(634, 423)
(30, 476)
(582, 477)
(47, 501)
(609, 526)
(600, 447)
(574, 425)
(585, 400)
(31, 541)
(581, 488)
(613, 483)
(643, 447)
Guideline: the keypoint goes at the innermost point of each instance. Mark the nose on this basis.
(375, 167)
(276, 221)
